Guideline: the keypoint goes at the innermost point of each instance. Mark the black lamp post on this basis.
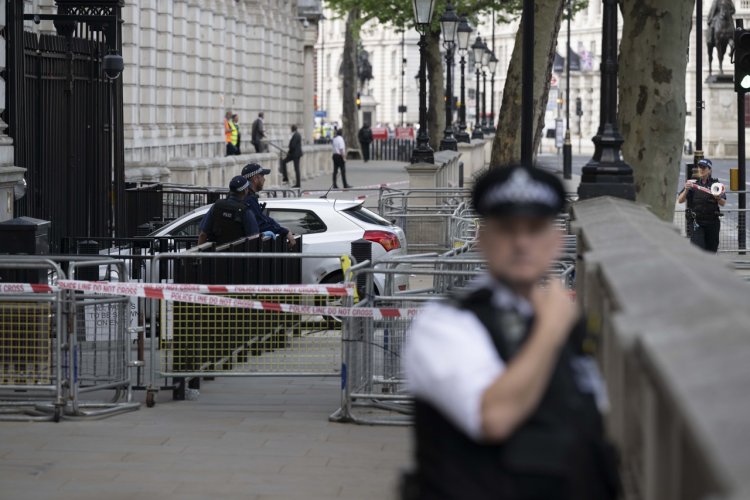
(493, 68)
(567, 145)
(423, 10)
(486, 57)
(449, 25)
(478, 48)
(463, 35)
(606, 174)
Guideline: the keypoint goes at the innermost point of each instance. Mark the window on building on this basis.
(328, 65)
(394, 63)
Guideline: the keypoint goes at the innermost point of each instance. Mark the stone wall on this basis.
(217, 171)
(188, 61)
(671, 327)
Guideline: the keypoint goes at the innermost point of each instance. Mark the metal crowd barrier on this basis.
(425, 215)
(199, 340)
(57, 346)
(373, 385)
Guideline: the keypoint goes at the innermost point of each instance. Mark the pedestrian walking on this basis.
(365, 139)
(236, 122)
(293, 154)
(703, 207)
(258, 133)
(256, 176)
(230, 134)
(339, 159)
(229, 219)
(507, 402)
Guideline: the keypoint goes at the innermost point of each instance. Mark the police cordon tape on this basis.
(329, 290)
(26, 288)
(149, 291)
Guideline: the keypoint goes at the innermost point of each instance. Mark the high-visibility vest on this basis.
(233, 134)
(227, 131)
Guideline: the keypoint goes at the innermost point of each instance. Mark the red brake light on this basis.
(389, 241)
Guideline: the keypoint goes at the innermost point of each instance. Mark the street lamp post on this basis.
(606, 174)
(449, 25)
(493, 68)
(423, 10)
(486, 57)
(478, 48)
(463, 35)
(567, 145)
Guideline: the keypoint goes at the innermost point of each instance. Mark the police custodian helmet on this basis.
(518, 191)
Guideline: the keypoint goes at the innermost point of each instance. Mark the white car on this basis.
(327, 227)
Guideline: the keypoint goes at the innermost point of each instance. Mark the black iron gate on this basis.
(65, 117)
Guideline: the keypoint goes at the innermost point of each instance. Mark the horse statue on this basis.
(720, 31)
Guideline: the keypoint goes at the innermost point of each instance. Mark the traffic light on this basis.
(579, 107)
(742, 60)
(359, 101)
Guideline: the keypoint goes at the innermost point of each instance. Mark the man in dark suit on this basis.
(365, 139)
(258, 133)
(293, 154)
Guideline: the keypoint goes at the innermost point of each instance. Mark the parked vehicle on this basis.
(327, 226)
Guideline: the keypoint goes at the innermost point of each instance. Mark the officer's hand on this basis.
(290, 239)
(556, 313)
(689, 185)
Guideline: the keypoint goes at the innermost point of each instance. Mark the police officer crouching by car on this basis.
(703, 208)
(229, 219)
(256, 176)
(507, 402)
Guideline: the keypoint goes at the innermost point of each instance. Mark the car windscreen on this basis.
(362, 214)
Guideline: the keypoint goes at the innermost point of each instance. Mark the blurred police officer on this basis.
(256, 176)
(507, 403)
(229, 219)
(703, 207)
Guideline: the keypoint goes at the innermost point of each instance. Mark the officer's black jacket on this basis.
(559, 452)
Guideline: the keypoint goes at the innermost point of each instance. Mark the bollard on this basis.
(90, 273)
(361, 251)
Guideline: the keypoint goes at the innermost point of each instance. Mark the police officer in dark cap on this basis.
(256, 176)
(703, 207)
(229, 219)
(507, 402)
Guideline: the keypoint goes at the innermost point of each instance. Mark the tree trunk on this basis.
(436, 91)
(506, 148)
(350, 116)
(653, 62)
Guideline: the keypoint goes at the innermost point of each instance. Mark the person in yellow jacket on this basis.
(231, 134)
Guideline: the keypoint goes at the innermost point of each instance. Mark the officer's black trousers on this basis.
(706, 236)
(339, 164)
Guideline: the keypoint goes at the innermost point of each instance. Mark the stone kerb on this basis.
(673, 323)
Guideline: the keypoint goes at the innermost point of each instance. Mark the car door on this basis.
(317, 237)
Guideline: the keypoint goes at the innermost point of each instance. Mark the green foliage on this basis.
(400, 14)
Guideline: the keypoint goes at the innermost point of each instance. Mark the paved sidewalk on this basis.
(246, 438)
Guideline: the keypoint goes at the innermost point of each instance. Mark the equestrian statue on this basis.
(720, 32)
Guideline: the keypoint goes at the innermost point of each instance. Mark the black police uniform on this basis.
(704, 210)
(226, 220)
(458, 348)
(558, 453)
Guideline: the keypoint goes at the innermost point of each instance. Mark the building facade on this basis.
(189, 61)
